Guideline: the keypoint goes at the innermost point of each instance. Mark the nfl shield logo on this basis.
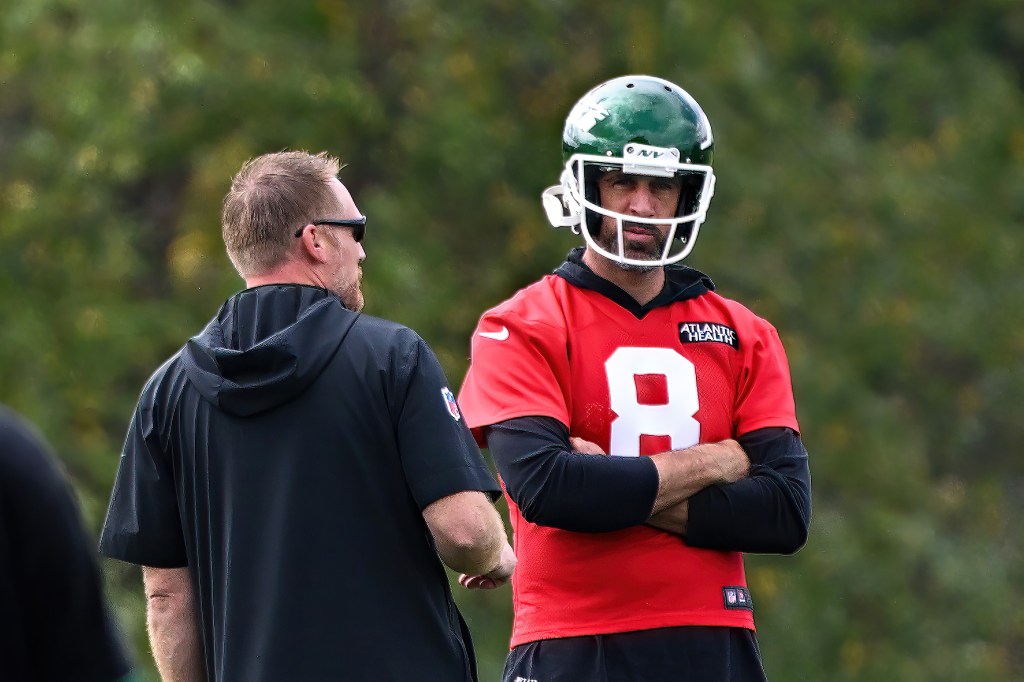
(449, 399)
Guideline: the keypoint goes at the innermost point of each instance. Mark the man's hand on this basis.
(493, 579)
(585, 447)
(673, 519)
(722, 462)
(685, 472)
(732, 461)
(728, 459)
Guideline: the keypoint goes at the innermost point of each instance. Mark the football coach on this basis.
(294, 476)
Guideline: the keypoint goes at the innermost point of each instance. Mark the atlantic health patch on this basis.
(700, 332)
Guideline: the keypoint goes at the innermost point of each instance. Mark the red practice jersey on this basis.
(698, 370)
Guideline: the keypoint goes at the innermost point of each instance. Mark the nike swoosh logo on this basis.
(500, 335)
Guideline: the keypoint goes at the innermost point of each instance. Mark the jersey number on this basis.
(673, 419)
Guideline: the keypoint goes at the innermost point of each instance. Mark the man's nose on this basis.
(641, 201)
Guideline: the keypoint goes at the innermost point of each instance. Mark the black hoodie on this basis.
(285, 455)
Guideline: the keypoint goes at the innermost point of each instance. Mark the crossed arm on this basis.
(750, 495)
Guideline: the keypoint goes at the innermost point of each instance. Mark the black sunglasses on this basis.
(358, 226)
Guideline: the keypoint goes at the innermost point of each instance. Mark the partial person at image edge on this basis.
(56, 624)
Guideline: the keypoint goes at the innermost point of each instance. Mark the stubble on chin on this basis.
(353, 298)
(610, 243)
(634, 267)
(351, 294)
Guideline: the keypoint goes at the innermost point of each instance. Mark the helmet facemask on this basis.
(575, 203)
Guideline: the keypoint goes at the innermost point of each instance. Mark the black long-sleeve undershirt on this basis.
(767, 512)
(554, 486)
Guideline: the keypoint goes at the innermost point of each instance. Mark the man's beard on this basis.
(351, 293)
(353, 299)
(609, 241)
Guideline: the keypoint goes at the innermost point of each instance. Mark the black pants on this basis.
(680, 654)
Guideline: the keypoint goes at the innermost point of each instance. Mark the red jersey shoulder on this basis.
(537, 302)
(743, 322)
(518, 363)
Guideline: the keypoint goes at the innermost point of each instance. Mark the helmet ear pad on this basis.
(689, 200)
(593, 195)
(691, 186)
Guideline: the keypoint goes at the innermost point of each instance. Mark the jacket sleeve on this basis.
(143, 525)
(768, 512)
(554, 486)
(438, 454)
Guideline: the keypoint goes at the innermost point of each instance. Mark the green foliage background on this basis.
(869, 204)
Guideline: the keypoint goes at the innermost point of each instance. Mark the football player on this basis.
(630, 565)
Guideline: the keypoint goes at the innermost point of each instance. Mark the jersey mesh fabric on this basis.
(634, 387)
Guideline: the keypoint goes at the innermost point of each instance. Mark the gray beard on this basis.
(634, 267)
(611, 245)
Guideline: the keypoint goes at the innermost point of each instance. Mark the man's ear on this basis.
(313, 243)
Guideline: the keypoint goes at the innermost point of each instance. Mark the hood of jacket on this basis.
(265, 346)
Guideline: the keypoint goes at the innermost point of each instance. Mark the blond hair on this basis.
(272, 196)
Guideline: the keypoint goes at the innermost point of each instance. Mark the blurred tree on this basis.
(869, 160)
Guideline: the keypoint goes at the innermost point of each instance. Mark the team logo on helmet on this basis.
(589, 115)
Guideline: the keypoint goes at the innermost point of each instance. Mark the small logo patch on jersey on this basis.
(700, 332)
(499, 335)
(453, 407)
(737, 598)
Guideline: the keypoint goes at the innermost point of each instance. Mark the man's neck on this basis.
(288, 273)
(643, 286)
